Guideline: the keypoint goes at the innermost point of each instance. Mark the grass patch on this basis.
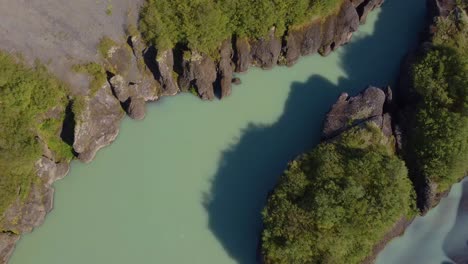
(96, 72)
(105, 45)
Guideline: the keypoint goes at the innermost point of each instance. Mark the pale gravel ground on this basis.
(61, 33)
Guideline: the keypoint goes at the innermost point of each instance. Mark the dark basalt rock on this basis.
(136, 108)
(337, 30)
(266, 51)
(165, 75)
(242, 58)
(200, 72)
(226, 68)
(303, 41)
(204, 73)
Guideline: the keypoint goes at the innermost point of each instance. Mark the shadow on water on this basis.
(456, 242)
(249, 169)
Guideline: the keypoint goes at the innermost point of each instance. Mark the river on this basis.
(187, 184)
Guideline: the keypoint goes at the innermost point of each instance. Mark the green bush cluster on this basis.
(335, 203)
(203, 24)
(439, 139)
(26, 95)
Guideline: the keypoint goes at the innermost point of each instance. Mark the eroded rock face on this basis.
(136, 108)
(7, 245)
(304, 41)
(97, 124)
(226, 68)
(204, 74)
(365, 7)
(337, 30)
(199, 72)
(265, 52)
(242, 58)
(350, 111)
(132, 78)
(165, 66)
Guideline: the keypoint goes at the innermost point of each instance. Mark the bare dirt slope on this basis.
(61, 33)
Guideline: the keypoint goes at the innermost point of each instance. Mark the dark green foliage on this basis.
(335, 203)
(26, 95)
(438, 141)
(203, 24)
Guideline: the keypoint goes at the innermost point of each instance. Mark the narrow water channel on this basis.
(187, 184)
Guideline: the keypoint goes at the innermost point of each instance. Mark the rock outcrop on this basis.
(371, 105)
(97, 123)
(226, 68)
(165, 72)
(347, 112)
(266, 51)
(242, 57)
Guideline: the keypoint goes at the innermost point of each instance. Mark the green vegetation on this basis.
(27, 96)
(109, 8)
(105, 45)
(203, 24)
(335, 203)
(98, 75)
(439, 140)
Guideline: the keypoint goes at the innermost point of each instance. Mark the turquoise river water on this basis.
(188, 183)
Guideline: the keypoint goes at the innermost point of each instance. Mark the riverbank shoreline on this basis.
(139, 82)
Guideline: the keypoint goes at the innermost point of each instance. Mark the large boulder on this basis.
(351, 111)
(136, 108)
(97, 122)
